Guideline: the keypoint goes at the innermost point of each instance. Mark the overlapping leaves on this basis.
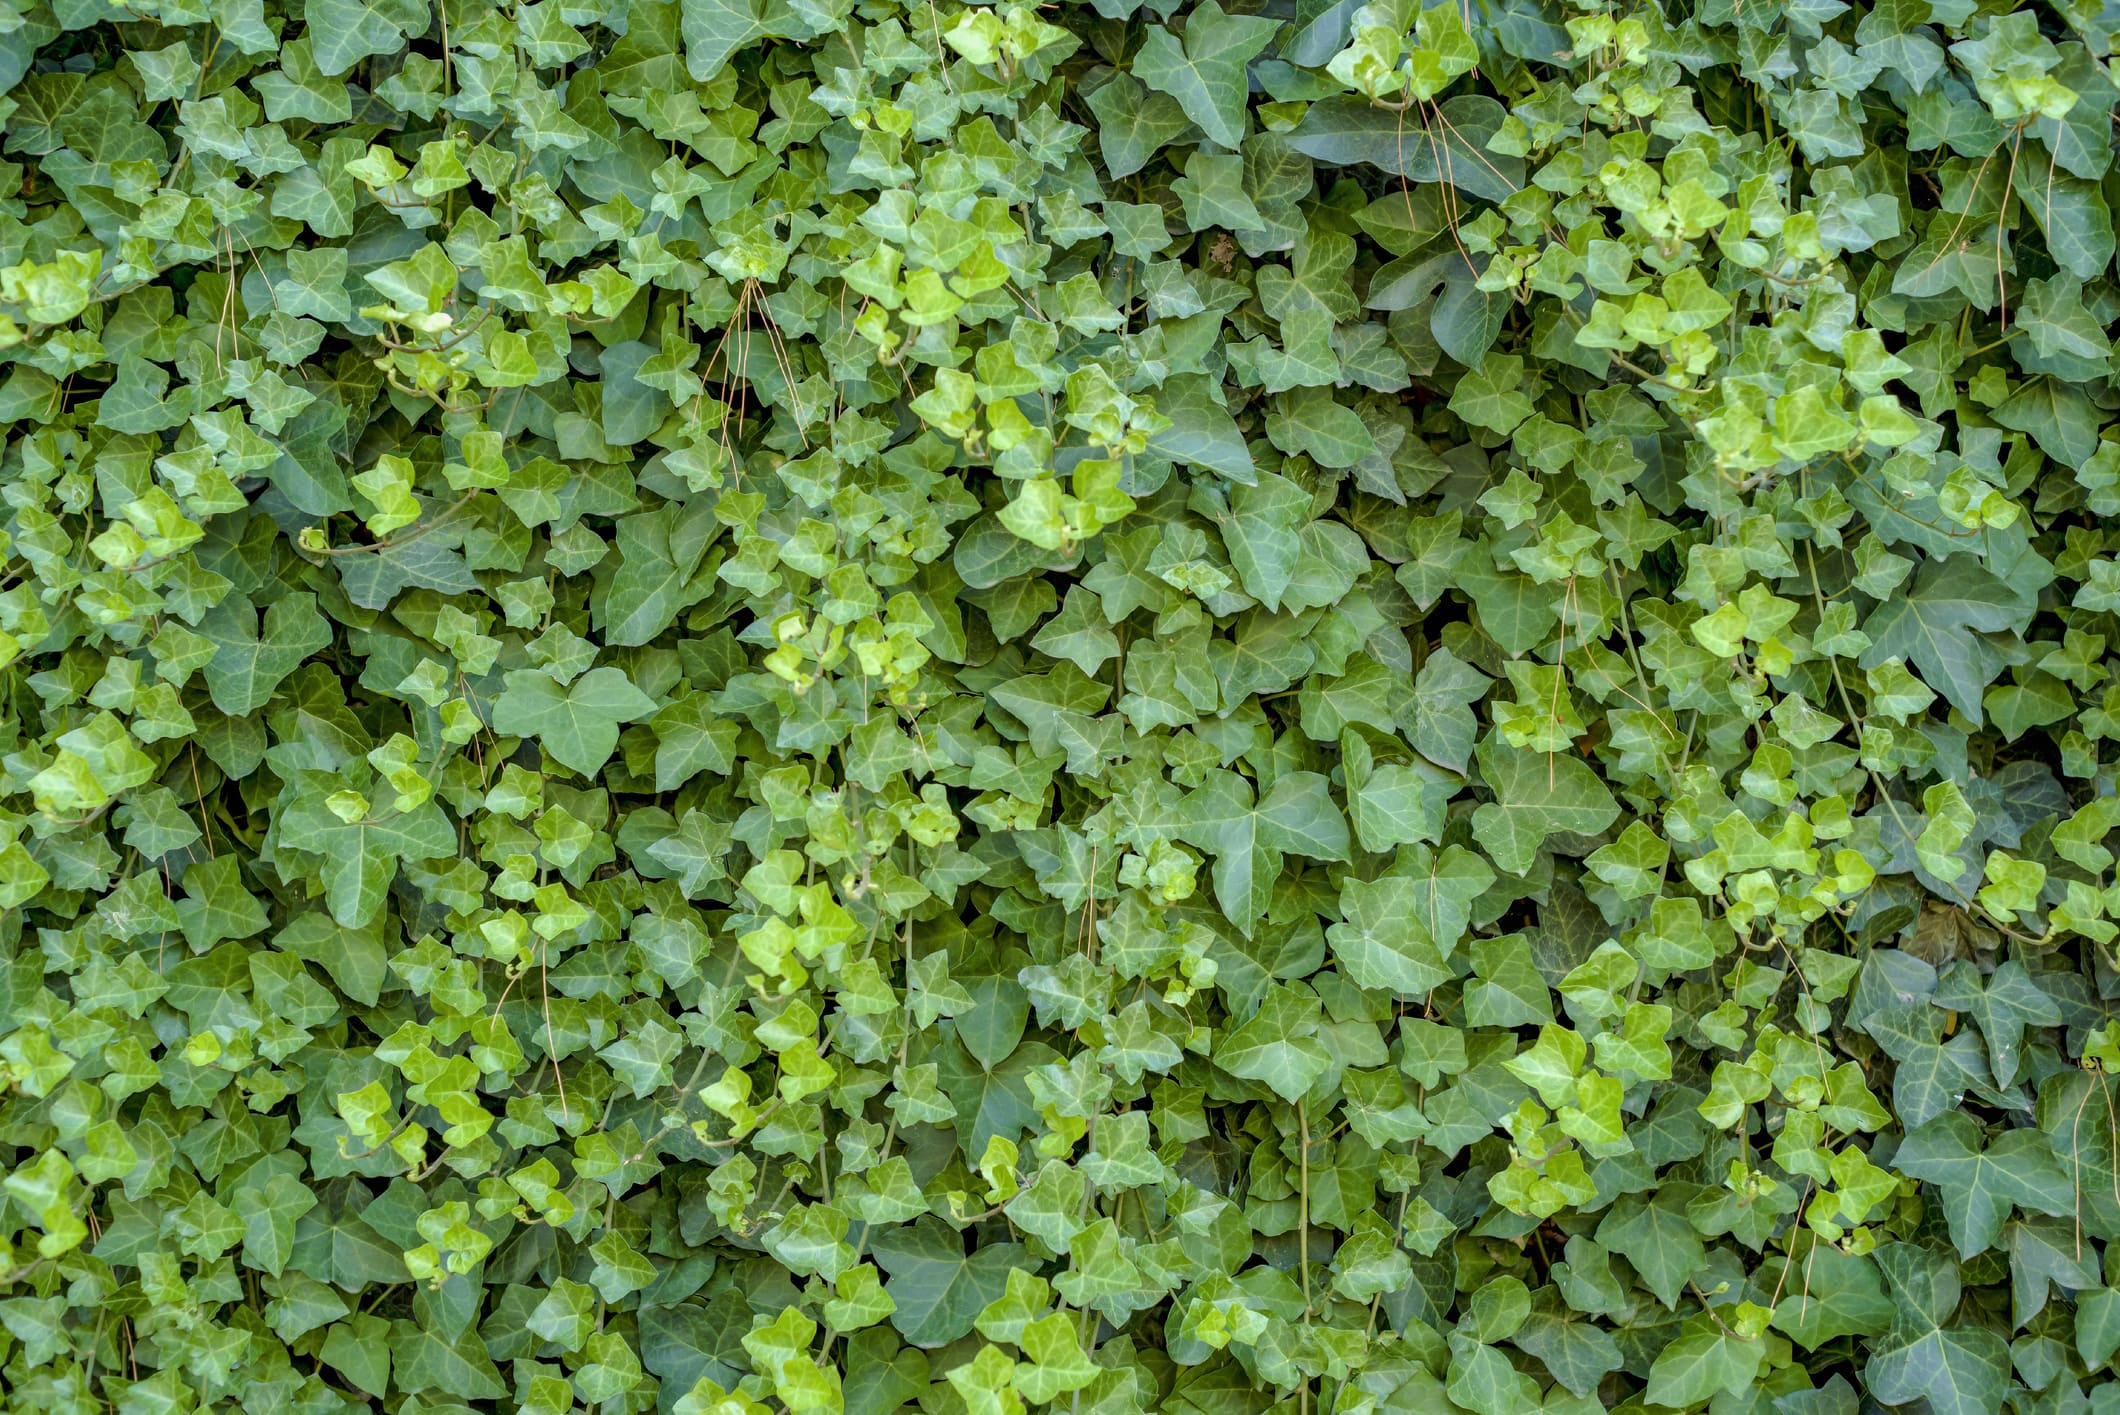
(747, 705)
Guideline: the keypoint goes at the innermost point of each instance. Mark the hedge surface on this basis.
(736, 706)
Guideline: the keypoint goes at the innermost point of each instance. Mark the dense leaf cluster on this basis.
(827, 706)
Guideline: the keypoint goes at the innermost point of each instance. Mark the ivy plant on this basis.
(1121, 707)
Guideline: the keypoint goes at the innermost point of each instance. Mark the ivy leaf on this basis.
(577, 724)
(1828, 1293)
(361, 857)
(1249, 837)
(1937, 627)
(1657, 1240)
(1383, 943)
(715, 30)
(1344, 130)
(1057, 1362)
(1133, 124)
(1981, 1185)
(659, 571)
(1277, 1045)
(1576, 1353)
(269, 1212)
(1438, 719)
(1707, 1360)
(1535, 795)
(1201, 432)
(1930, 1076)
(2003, 1005)
(254, 653)
(1264, 534)
(940, 1289)
(1205, 72)
(422, 1359)
(1958, 1370)
(341, 33)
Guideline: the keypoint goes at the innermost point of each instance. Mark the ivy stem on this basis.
(890, 1135)
(391, 542)
(1303, 1210)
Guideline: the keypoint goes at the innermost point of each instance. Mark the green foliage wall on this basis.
(820, 707)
